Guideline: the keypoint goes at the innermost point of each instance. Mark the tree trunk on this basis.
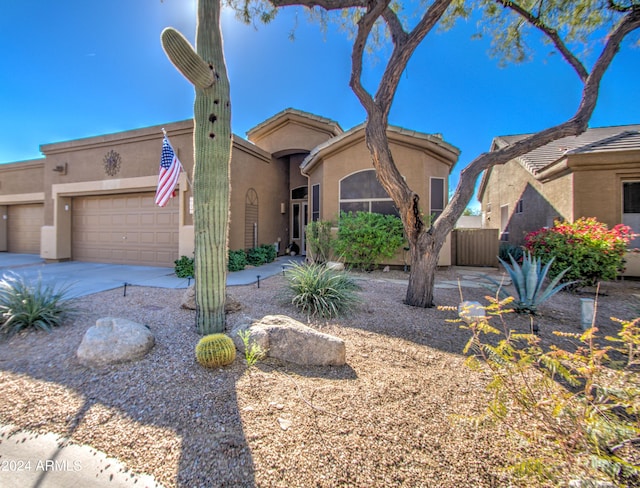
(424, 263)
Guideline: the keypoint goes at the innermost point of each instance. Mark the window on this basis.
(436, 190)
(362, 192)
(299, 193)
(519, 206)
(504, 223)
(631, 208)
(315, 203)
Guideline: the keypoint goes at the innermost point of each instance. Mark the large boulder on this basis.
(289, 340)
(114, 340)
(189, 301)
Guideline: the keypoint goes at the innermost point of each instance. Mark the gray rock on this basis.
(471, 311)
(289, 340)
(114, 340)
(335, 265)
(189, 301)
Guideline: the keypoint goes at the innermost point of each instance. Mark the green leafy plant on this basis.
(528, 280)
(237, 260)
(260, 255)
(319, 241)
(320, 291)
(270, 252)
(38, 306)
(579, 410)
(591, 250)
(184, 267)
(253, 352)
(364, 239)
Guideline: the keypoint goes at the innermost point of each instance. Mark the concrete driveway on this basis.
(88, 278)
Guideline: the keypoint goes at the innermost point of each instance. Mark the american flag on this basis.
(170, 168)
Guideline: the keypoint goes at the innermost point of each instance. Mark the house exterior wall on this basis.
(598, 184)
(269, 178)
(290, 138)
(417, 166)
(266, 171)
(541, 204)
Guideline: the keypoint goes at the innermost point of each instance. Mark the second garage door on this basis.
(23, 228)
(125, 229)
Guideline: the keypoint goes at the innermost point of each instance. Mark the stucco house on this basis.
(92, 199)
(595, 174)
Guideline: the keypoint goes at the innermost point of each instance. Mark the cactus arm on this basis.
(185, 59)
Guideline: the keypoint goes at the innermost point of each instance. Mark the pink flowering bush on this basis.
(591, 250)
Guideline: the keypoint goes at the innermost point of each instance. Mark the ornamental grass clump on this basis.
(591, 250)
(321, 291)
(37, 306)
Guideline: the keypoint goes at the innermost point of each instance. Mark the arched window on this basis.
(362, 191)
(251, 219)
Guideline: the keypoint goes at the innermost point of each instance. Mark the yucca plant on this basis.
(528, 280)
(24, 305)
(321, 291)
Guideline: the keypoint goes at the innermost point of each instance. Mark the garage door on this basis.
(125, 229)
(23, 228)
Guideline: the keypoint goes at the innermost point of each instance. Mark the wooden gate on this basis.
(475, 247)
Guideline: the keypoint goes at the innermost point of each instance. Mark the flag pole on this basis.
(164, 132)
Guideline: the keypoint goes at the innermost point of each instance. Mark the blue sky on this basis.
(77, 68)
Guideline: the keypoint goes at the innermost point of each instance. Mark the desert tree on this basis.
(567, 25)
(205, 68)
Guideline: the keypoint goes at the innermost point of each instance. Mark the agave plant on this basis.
(24, 305)
(528, 280)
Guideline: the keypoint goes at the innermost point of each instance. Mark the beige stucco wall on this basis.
(509, 183)
(291, 133)
(268, 177)
(415, 164)
(598, 184)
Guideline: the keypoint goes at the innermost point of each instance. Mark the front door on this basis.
(299, 220)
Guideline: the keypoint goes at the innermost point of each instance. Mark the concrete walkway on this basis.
(88, 278)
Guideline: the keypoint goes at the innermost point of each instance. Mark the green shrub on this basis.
(270, 252)
(579, 410)
(319, 241)
(320, 291)
(591, 251)
(237, 260)
(365, 239)
(184, 267)
(528, 281)
(260, 255)
(37, 306)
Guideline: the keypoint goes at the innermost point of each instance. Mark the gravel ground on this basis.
(390, 417)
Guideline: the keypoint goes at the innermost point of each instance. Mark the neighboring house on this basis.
(92, 199)
(596, 174)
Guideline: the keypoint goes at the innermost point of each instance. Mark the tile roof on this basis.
(615, 138)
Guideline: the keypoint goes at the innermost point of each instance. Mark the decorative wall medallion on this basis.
(112, 162)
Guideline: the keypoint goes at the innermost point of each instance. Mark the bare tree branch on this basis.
(403, 50)
(325, 4)
(552, 34)
(574, 126)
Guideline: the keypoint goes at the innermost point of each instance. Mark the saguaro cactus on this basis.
(205, 68)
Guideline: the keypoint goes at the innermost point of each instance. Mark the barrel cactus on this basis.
(215, 350)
